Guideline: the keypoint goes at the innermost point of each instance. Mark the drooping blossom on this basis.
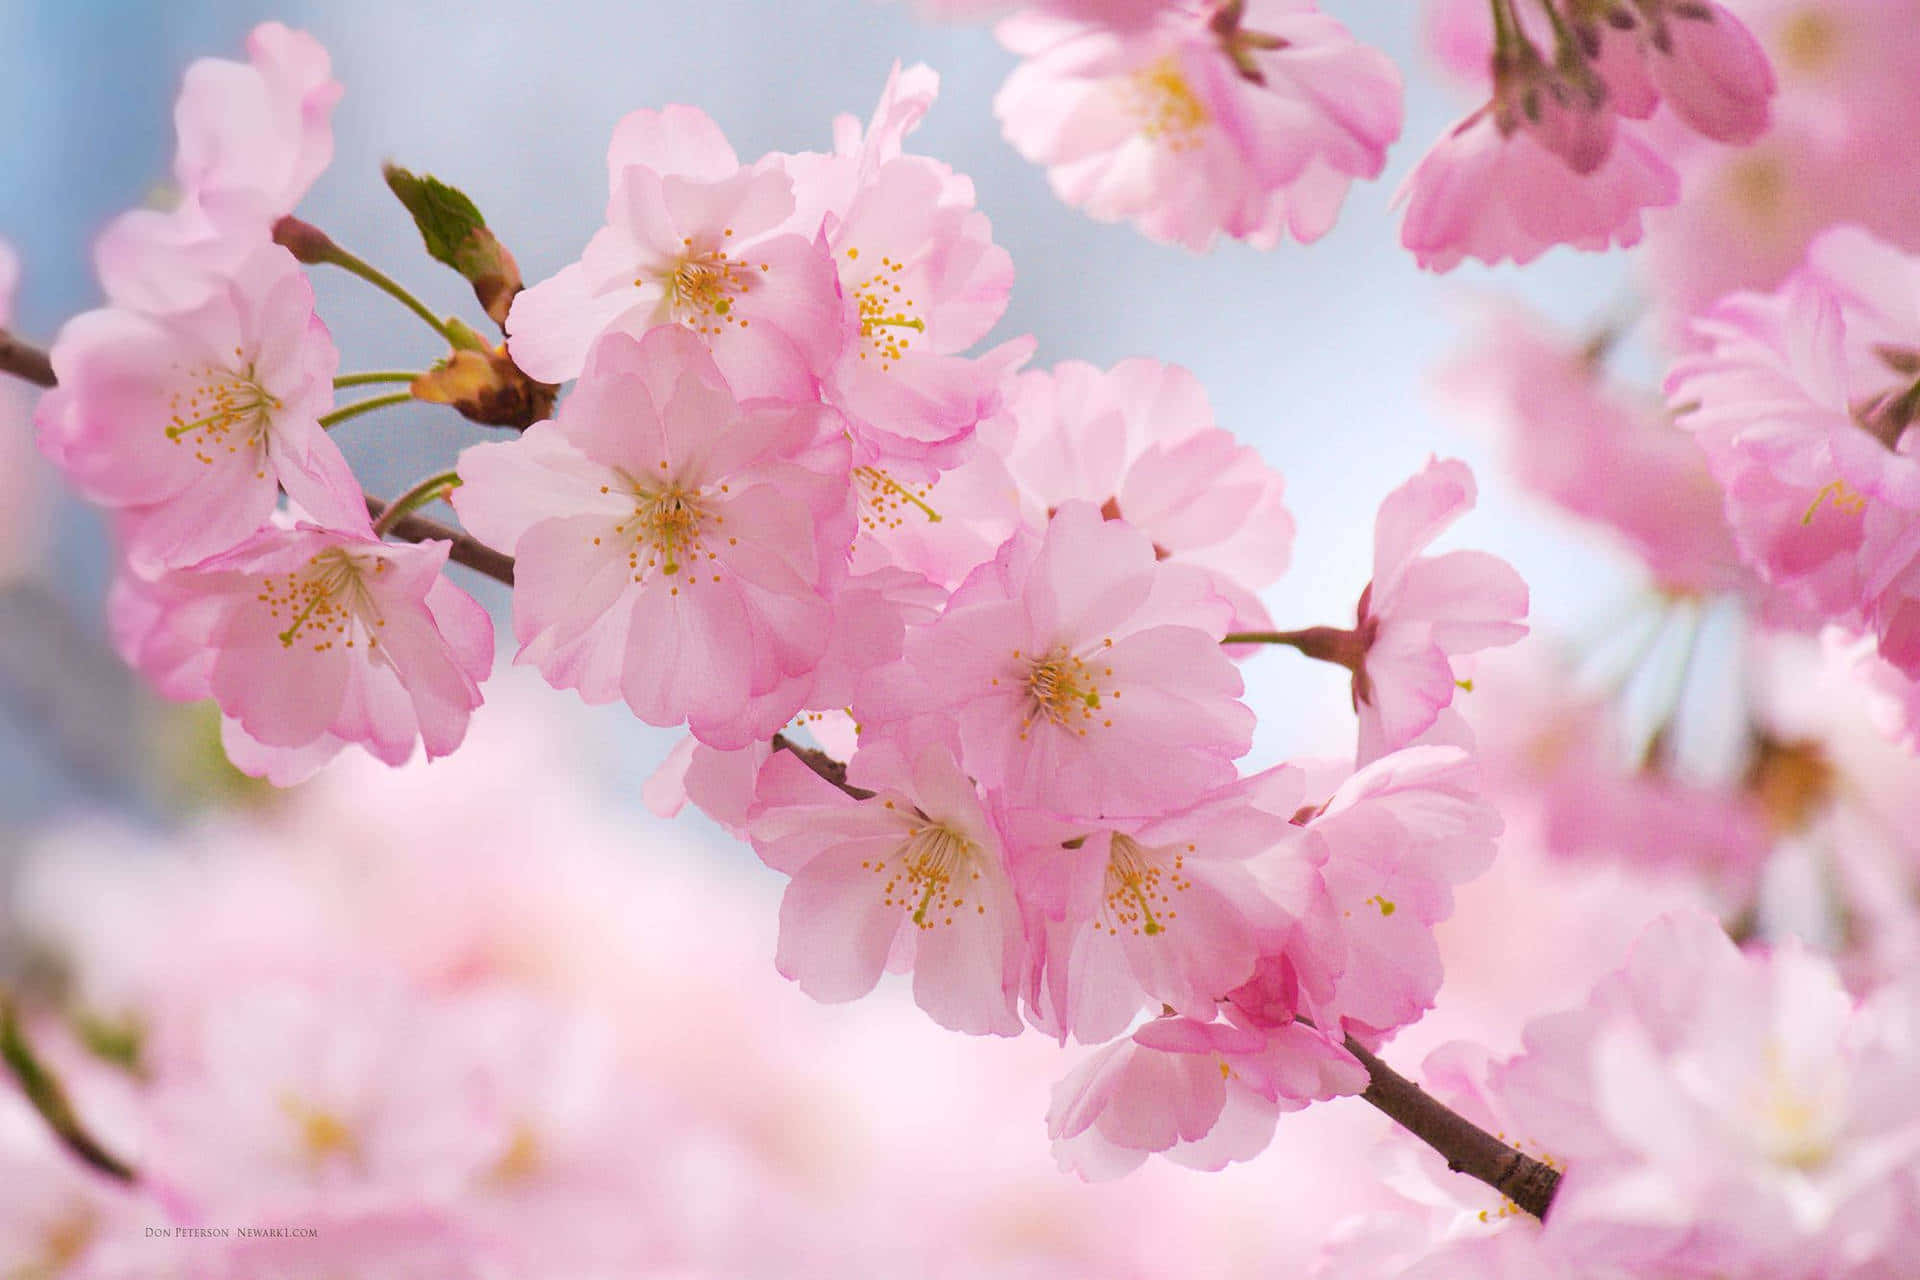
(696, 240)
(312, 638)
(1557, 155)
(673, 544)
(1083, 676)
(1159, 913)
(251, 139)
(1202, 1094)
(1139, 442)
(1248, 119)
(1494, 193)
(1419, 611)
(916, 871)
(920, 281)
(191, 421)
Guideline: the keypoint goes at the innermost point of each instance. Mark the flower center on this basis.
(321, 1134)
(700, 287)
(520, 1161)
(669, 530)
(1165, 105)
(1808, 41)
(1063, 689)
(328, 602)
(884, 501)
(1141, 883)
(887, 321)
(928, 874)
(1793, 1124)
(220, 411)
(1846, 500)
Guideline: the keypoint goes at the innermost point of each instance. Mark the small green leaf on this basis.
(445, 215)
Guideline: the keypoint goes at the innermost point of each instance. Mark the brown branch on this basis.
(27, 363)
(1468, 1148)
(44, 1091)
(467, 550)
(821, 763)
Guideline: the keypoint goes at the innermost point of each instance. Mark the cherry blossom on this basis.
(252, 138)
(1419, 611)
(696, 240)
(1202, 1094)
(1250, 118)
(1162, 912)
(1083, 676)
(920, 278)
(311, 638)
(191, 421)
(917, 870)
(673, 543)
(1139, 442)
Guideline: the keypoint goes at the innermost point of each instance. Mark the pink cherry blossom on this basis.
(1597, 448)
(1203, 1094)
(310, 639)
(920, 278)
(1083, 676)
(1250, 120)
(1495, 193)
(1366, 879)
(916, 871)
(1419, 611)
(673, 543)
(252, 138)
(1139, 442)
(192, 421)
(696, 240)
(1707, 66)
(1729, 1113)
(1157, 913)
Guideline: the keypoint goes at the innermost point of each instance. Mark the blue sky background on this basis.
(1319, 356)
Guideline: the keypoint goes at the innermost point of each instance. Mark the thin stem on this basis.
(373, 378)
(345, 411)
(466, 549)
(1505, 30)
(381, 280)
(29, 364)
(1328, 644)
(431, 489)
(1468, 1148)
(44, 1091)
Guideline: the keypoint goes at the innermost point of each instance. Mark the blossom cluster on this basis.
(195, 399)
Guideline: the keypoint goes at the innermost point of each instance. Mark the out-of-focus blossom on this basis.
(696, 240)
(1138, 441)
(672, 543)
(310, 639)
(252, 138)
(1596, 448)
(1249, 118)
(1842, 122)
(191, 421)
